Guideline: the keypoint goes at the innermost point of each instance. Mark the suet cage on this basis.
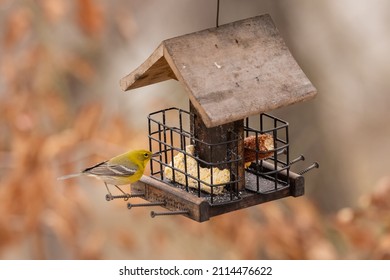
(267, 171)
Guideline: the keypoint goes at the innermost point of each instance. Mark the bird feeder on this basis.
(226, 152)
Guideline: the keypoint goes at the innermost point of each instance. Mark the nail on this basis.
(301, 157)
(157, 203)
(314, 165)
(170, 213)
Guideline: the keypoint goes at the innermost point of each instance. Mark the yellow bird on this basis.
(123, 169)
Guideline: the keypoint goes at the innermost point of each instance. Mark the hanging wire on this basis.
(217, 20)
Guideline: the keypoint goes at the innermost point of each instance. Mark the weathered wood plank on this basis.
(250, 199)
(200, 209)
(155, 69)
(175, 199)
(230, 72)
(237, 70)
(210, 148)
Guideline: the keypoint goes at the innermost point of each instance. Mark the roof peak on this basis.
(230, 72)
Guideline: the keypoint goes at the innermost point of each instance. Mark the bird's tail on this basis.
(69, 176)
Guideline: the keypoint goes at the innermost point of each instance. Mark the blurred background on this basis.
(61, 110)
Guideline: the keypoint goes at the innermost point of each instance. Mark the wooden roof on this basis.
(230, 72)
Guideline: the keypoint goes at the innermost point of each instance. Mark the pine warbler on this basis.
(123, 169)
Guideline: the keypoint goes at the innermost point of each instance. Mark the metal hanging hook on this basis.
(217, 20)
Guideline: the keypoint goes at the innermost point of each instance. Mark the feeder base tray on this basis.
(200, 209)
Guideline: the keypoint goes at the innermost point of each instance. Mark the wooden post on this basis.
(210, 152)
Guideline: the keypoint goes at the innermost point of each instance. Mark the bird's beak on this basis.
(156, 154)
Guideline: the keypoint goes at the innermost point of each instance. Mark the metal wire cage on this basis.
(171, 133)
(272, 164)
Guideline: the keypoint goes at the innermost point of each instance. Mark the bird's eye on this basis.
(146, 154)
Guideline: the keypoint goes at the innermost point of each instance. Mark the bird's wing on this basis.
(106, 168)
